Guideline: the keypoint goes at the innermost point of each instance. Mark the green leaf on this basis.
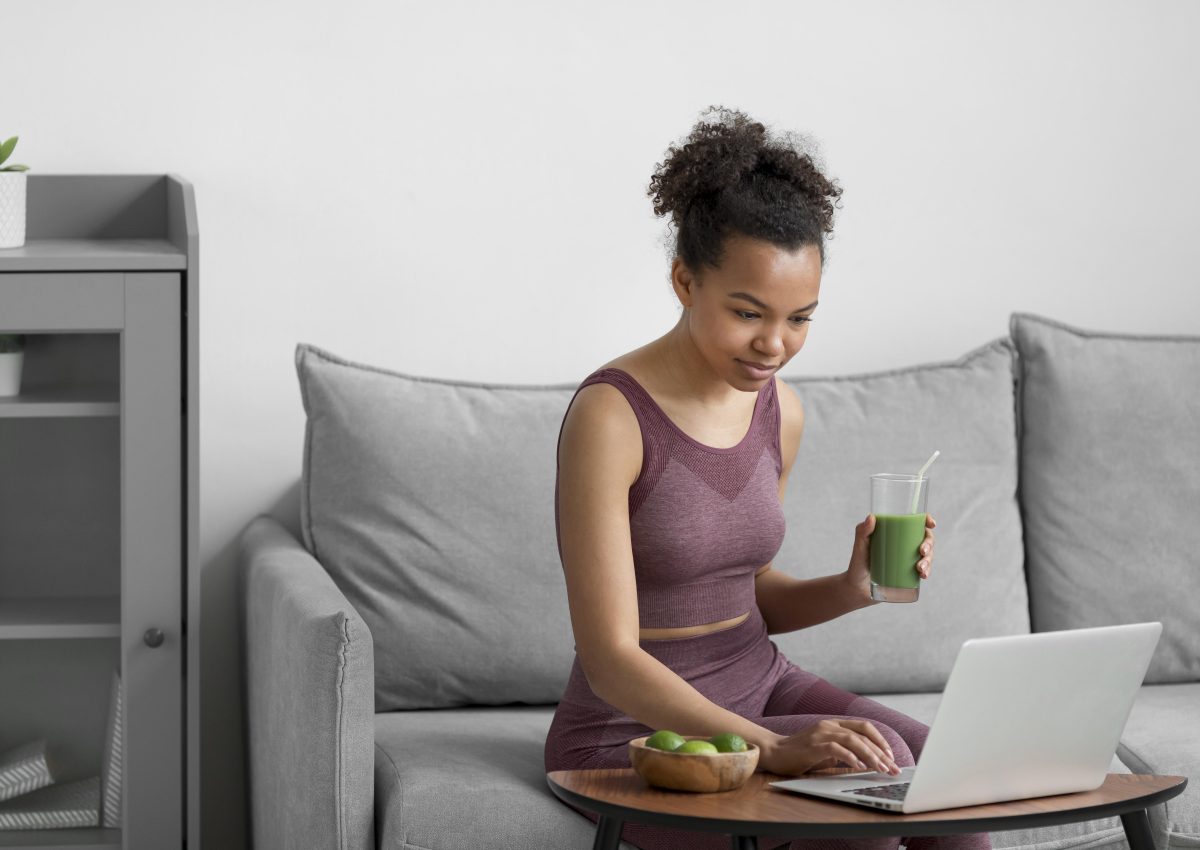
(6, 148)
(15, 168)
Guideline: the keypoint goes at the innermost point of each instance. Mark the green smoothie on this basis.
(895, 549)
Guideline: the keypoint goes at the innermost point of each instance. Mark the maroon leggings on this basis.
(739, 669)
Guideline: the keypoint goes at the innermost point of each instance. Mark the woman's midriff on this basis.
(691, 631)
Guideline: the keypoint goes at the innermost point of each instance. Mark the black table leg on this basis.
(1137, 830)
(746, 842)
(608, 834)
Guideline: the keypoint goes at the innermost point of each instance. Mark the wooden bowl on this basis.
(700, 772)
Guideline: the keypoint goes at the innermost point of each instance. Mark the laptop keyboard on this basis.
(889, 792)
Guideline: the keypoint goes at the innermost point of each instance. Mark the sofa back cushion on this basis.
(892, 421)
(1110, 483)
(431, 504)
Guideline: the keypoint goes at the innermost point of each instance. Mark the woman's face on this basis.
(753, 310)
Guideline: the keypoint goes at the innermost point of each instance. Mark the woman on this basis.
(673, 461)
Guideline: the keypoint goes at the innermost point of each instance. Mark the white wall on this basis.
(458, 190)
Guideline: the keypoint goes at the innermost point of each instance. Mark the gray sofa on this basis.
(407, 635)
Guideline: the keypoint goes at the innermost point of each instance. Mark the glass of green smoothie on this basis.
(898, 503)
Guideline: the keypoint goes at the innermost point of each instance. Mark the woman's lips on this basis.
(757, 370)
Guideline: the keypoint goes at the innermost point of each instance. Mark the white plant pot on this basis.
(12, 209)
(10, 372)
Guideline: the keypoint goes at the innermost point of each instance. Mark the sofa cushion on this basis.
(1163, 736)
(892, 421)
(431, 504)
(470, 777)
(1110, 483)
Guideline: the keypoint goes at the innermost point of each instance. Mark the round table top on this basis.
(757, 807)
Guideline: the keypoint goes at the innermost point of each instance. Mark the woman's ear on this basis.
(682, 282)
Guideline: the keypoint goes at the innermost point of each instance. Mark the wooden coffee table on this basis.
(620, 795)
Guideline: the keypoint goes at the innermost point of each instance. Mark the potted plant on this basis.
(12, 354)
(12, 198)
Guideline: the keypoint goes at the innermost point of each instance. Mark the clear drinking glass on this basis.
(898, 503)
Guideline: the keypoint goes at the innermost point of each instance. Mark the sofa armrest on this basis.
(310, 696)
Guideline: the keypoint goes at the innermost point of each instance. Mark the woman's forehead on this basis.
(770, 274)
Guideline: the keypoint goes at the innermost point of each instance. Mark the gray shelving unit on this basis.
(98, 495)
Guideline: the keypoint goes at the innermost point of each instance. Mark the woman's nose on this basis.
(770, 341)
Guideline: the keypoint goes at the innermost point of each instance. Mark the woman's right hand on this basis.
(856, 743)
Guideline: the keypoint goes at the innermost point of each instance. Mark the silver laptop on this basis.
(1021, 716)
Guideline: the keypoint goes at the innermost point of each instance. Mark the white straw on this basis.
(928, 463)
(920, 478)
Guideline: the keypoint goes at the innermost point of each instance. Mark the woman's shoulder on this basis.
(622, 381)
(602, 428)
(790, 406)
(632, 363)
(600, 391)
(606, 399)
(791, 422)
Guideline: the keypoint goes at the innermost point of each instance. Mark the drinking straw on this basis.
(920, 478)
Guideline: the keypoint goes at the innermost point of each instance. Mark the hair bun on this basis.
(722, 149)
(731, 175)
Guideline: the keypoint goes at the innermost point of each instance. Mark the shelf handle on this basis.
(153, 637)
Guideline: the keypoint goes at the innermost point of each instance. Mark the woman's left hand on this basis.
(926, 551)
(859, 571)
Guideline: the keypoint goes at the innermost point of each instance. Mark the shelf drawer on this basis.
(61, 302)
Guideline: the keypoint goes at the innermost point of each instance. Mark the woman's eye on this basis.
(796, 320)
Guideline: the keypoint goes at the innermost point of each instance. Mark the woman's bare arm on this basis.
(788, 603)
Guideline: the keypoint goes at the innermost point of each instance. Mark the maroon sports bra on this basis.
(702, 519)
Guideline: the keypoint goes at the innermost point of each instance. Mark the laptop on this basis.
(1021, 716)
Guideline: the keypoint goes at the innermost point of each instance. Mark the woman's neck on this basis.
(684, 369)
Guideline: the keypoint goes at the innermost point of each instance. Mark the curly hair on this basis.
(730, 176)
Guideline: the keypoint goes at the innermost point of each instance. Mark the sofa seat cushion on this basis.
(470, 777)
(1163, 736)
(1103, 833)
